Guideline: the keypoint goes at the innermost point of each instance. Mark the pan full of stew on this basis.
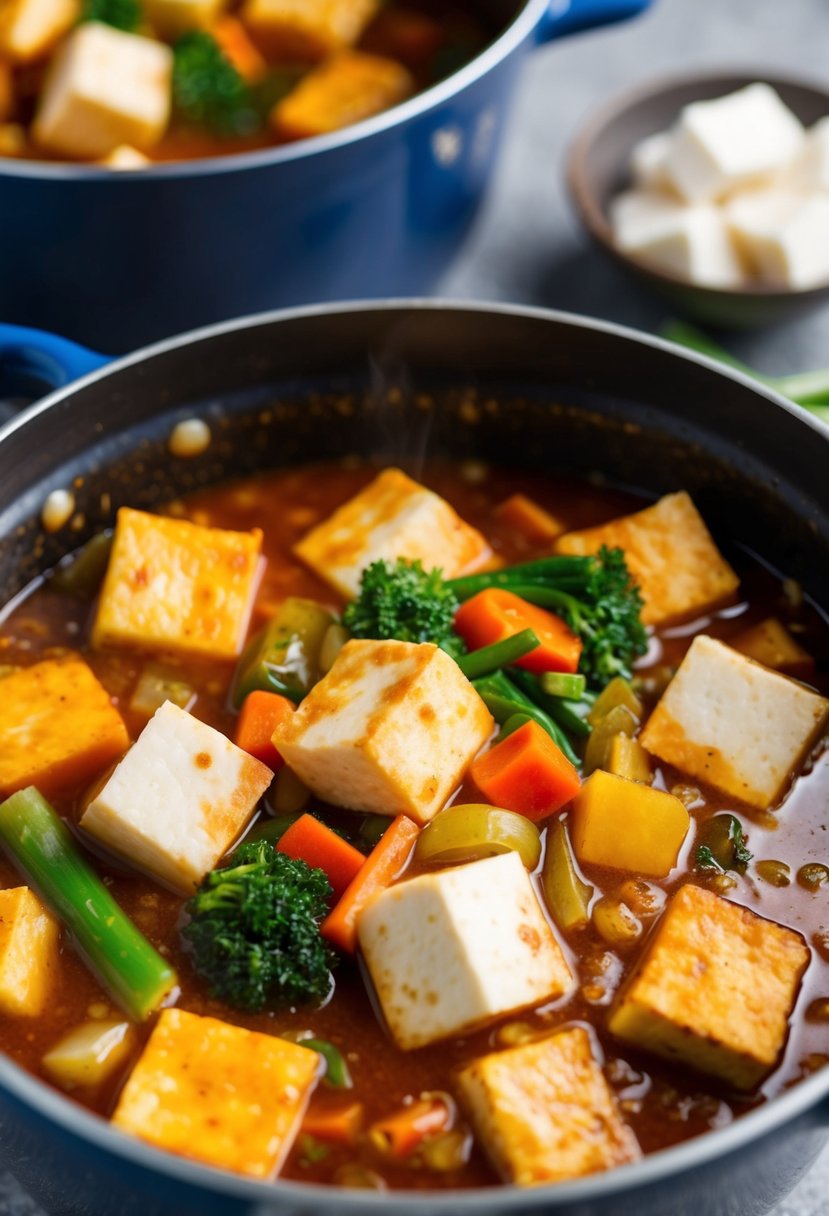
(413, 773)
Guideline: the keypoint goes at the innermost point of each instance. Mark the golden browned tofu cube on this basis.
(390, 729)
(771, 644)
(714, 990)
(219, 1094)
(655, 825)
(30, 28)
(670, 554)
(343, 90)
(307, 30)
(544, 1111)
(58, 727)
(734, 724)
(392, 517)
(28, 953)
(176, 586)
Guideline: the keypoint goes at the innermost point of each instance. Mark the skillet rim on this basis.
(654, 1168)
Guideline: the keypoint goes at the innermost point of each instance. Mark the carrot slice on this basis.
(525, 516)
(235, 43)
(261, 713)
(527, 773)
(334, 1125)
(379, 870)
(398, 1135)
(495, 614)
(310, 841)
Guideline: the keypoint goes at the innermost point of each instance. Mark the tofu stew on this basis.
(123, 83)
(414, 834)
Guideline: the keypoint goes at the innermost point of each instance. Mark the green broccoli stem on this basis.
(337, 1073)
(556, 707)
(568, 573)
(500, 654)
(503, 698)
(809, 389)
(43, 849)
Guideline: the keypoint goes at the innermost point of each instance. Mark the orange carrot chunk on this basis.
(526, 517)
(495, 614)
(383, 864)
(334, 1125)
(400, 1134)
(235, 43)
(526, 773)
(261, 713)
(310, 841)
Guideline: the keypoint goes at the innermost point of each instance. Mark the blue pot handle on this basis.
(46, 357)
(570, 16)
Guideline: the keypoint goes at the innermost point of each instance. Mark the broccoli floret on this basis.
(402, 600)
(207, 89)
(120, 14)
(606, 613)
(253, 930)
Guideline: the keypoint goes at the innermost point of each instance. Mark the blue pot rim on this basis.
(428, 101)
(808, 1097)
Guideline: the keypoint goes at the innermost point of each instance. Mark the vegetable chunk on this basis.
(346, 89)
(670, 554)
(771, 644)
(307, 30)
(714, 990)
(626, 825)
(751, 753)
(28, 953)
(392, 517)
(391, 729)
(58, 726)
(454, 950)
(173, 17)
(215, 1093)
(105, 88)
(544, 1111)
(178, 799)
(30, 28)
(527, 773)
(176, 586)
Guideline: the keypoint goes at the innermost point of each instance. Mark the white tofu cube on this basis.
(811, 169)
(392, 517)
(648, 162)
(178, 800)
(391, 729)
(783, 235)
(30, 28)
(105, 88)
(691, 243)
(452, 951)
(738, 726)
(719, 145)
(170, 18)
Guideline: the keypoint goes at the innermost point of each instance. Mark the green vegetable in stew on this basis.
(286, 656)
(253, 930)
(402, 600)
(207, 89)
(120, 14)
(723, 846)
(492, 658)
(43, 850)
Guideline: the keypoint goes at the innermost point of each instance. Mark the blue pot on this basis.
(120, 259)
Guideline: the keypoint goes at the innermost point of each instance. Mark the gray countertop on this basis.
(528, 248)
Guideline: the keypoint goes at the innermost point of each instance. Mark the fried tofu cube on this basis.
(307, 30)
(544, 1111)
(30, 28)
(714, 990)
(104, 88)
(178, 799)
(670, 554)
(771, 644)
(58, 727)
(171, 18)
(29, 941)
(390, 729)
(655, 825)
(218, 1094)
(392, 517)
(177, 586)
(452, 951)
(345, 89)
(728, 721)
